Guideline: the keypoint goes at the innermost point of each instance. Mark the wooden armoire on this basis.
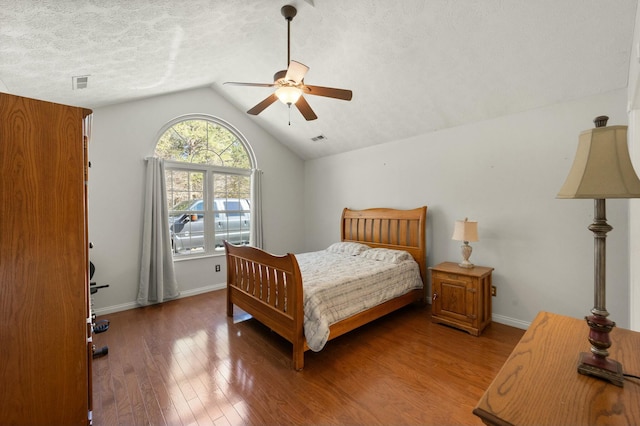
(45, 330)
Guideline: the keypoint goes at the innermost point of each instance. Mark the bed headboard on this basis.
(389, 228)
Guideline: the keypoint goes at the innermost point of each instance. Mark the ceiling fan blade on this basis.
(296, 72)
(262, 105)
(329, 92)
(235, 83)
(305, 109)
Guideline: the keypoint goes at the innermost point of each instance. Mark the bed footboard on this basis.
(270, 289)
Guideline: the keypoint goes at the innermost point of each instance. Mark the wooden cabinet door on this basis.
(44, 365)
(455, 298)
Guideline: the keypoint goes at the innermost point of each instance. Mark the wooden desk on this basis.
(540, 384)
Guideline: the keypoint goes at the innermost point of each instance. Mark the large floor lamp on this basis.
(601, 169)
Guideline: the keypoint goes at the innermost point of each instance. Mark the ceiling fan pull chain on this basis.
(289, 105)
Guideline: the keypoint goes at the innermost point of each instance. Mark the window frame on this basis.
(210, 171)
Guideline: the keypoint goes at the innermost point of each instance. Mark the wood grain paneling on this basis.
(44, 363)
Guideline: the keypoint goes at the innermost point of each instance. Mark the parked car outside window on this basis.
(230, 219)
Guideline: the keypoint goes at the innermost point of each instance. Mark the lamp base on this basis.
(600, 367)
(466, 264)
(466, 250)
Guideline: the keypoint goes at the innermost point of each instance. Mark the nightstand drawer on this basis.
(452, 277)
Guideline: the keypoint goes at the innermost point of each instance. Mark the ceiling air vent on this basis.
(319, 138)
(79, 82)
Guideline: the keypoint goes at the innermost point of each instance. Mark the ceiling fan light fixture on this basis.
(290, 83)
(288, 94)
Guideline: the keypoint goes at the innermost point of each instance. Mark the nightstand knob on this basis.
(435, 296)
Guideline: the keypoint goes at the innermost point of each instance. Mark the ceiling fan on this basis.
(289, 83)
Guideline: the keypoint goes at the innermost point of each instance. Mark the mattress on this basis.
(340, 284)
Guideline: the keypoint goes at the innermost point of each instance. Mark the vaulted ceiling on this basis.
(415, 66)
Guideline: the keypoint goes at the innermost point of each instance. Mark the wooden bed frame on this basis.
(270, 287)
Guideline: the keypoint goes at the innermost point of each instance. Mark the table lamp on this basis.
(465, 231)
(601, 169)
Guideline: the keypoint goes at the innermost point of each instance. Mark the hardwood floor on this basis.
(184, 362)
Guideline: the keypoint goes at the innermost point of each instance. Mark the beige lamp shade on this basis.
(465, 230)
(602, 167)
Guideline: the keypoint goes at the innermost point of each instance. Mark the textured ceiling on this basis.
(415, 66)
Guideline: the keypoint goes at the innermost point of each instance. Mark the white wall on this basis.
(122, 136)
(634, 151)
(634, 225)
(504, 173)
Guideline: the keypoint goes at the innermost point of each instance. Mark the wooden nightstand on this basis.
(461, 296)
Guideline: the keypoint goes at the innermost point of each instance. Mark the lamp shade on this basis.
(288, 94)
(602, 167)
(465, 230)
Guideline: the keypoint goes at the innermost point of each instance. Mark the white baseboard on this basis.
(133, 305)
(201, 290)
(513, 322)
(510, 321)
(115, 308)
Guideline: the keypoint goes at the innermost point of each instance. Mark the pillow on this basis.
(348, 248)
(386, 255)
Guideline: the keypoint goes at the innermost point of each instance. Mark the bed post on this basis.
(298, 340)
(298, 356)
(229, 279)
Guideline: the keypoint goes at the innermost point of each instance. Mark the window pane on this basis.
(183, 187)
(188, 234)
(231, 186)
(233, 205)
(202, 142)
(185, 198)
(233, 218)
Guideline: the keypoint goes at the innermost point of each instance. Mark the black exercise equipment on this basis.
(97, 326)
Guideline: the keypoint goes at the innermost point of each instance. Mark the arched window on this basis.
(208, 167)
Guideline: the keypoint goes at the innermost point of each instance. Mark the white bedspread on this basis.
(337, 286)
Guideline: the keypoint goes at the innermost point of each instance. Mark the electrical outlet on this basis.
(217, 268)
(494, 291)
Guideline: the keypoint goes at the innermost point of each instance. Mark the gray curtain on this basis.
(157, 277)
(256, 209)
